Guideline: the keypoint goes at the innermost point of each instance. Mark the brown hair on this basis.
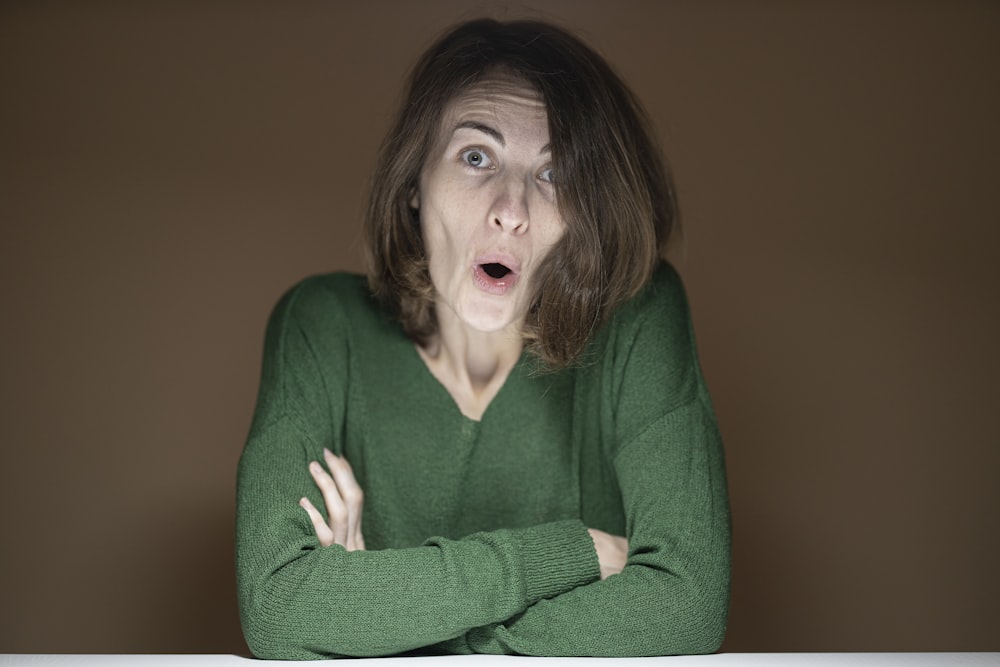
(612, 188)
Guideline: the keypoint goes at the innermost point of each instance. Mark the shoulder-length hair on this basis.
(612, 188)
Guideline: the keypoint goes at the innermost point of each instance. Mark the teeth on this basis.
(494, 270)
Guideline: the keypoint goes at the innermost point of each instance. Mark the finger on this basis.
(355, 538)
(350, 491)
(323, 532)
(336, 511)
(359, 539)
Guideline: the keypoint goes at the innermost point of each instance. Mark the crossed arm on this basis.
(308, 588)
(344, 502)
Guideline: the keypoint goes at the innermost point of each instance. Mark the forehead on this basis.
(503, 100)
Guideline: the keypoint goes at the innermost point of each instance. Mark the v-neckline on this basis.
(444, 395)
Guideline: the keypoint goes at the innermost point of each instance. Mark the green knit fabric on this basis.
(476, 531)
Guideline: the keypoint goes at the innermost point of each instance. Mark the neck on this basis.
(472, 365)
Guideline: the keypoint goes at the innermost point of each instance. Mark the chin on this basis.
(487, 325)
(487, 319)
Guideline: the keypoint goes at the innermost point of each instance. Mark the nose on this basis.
(509, 212)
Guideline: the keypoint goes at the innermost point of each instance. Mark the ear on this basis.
(415, 198)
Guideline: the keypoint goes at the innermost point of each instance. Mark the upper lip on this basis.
(499, 257)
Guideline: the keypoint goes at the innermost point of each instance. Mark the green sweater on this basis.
(476, 532)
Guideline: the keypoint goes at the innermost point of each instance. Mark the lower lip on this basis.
(491, 285)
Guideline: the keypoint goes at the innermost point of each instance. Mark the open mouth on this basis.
(495, 270)
(495, 277)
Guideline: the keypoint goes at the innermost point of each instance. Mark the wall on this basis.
(168, 169)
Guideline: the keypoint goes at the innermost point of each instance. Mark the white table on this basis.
(718, 660)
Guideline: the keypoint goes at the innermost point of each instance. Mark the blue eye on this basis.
(477, 158)
(546, 175)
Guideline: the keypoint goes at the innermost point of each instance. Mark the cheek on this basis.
(440, 246)
(553, 230)
(450, 218)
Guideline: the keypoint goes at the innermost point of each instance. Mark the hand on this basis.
(612, 551)
(344, 501)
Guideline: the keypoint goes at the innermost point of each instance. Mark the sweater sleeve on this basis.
(300, 600)
(672, 596)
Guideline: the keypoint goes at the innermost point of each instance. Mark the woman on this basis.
(515, 388)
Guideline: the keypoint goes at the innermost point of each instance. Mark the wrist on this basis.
(558, 557)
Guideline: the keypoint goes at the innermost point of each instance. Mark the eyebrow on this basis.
(486, 129)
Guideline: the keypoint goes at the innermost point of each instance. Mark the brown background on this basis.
(170, 168)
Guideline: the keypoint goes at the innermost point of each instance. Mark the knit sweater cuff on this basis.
(558, 557)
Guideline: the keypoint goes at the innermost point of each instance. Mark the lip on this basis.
(489, 284)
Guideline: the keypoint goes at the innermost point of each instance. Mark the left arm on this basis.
(672, 595)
